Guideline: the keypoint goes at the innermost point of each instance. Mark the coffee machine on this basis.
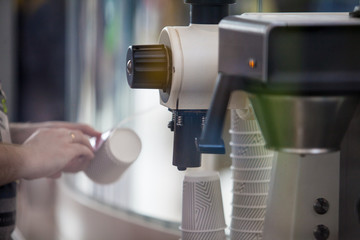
(301, 73)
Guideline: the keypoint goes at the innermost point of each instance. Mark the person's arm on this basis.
(46, 153)
(11, 162)
(22, 131)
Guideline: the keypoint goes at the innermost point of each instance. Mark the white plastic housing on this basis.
(195, 65)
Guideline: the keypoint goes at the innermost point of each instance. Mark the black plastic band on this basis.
(8, 190)
(7, 219)
(208, 14)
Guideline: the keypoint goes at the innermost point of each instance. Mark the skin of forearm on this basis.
(11, 163)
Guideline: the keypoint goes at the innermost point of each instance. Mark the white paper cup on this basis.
(252, 162)
(243, 235)
(214, 235)
(244, 150)
(247, 137)
(251, 174)
(249, 212)
(251, 187)
(247, 224)
(240, 125)
(202, 203)
(119, 149)
(249, 200)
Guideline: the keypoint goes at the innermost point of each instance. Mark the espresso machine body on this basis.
(302, 75)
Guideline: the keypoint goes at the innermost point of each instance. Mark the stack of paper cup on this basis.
(202, 212)
(251, 171)
(114, 153)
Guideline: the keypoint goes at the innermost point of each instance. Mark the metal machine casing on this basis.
(293, 65)
(302, 74)
(290, 51)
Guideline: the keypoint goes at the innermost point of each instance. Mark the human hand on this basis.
(50, 151)
(21, 131)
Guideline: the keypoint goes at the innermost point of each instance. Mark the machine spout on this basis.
(187, 126)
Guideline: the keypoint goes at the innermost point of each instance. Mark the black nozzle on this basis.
(208, 11)
(149, 66)
(187, 126)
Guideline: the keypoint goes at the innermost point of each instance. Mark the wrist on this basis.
(23, 164)
(20, 132)
(12, 163)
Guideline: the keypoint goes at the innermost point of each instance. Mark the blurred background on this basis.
(65, 60)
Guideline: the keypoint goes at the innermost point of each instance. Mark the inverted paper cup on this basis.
(249, 200)
(202, 203)
(248, 212)
(240, 125)
(248, 150)
(247, 224)
(251, 174)
(261, 187)
(245, 235)
(252, 162)
(247, 137)
(214, 235)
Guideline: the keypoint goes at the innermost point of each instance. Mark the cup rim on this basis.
(233, 144)
(251, 207)
(247, 219)
(250, 169)
(231, 131)
(201, 176)
(244, 231)
(202, 231)
(251, 194)
(251, 157)
(250, 181)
